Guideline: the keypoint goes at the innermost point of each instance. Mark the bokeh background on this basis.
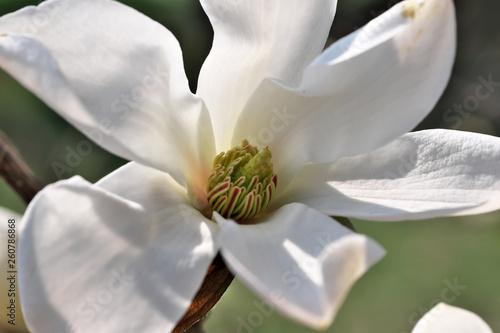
(424, 257)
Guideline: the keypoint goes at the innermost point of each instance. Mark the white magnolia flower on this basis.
(12, 316)
(447, 318)
(129, 253)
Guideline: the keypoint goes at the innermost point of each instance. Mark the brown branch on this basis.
(196, 328)
(16, 173)
(216, 282)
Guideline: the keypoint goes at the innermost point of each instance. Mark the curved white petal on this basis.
(421, 175)
(363, 92)
(9, 220)
(117, 76)
(446, 318)
(92, 261)
(254, 40)
(298, 260)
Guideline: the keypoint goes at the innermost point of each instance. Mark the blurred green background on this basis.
(423, 256)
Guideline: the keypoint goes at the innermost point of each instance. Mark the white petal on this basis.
(298, 260)
(254, 40)
(446, 318)
(114, 74)
(144, 185)
(363, 92)
(421, 175)
(91, 261)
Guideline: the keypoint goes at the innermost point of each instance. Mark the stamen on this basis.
(242, 182)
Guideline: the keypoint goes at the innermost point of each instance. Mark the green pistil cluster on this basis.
(242, 182)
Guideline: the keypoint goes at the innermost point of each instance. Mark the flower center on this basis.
(242, 182)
